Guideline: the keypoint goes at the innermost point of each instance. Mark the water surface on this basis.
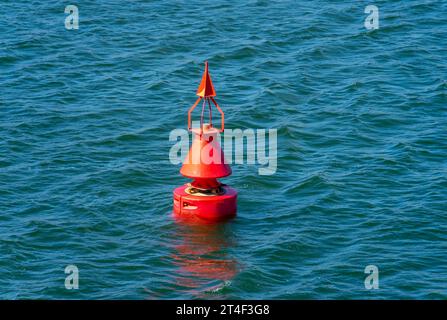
(85, 177)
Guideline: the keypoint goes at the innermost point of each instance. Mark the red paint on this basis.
(205, 197)
(215, 208)
(205, 158)
(206, 88)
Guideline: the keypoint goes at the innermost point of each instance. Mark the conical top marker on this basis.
(206, 88)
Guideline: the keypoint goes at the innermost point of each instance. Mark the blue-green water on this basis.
(85, 177)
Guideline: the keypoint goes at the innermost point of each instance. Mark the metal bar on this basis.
(191, 110)
(201, 116)
(211, 113)
(222, 119)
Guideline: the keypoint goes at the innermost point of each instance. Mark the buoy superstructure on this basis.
(205, 197)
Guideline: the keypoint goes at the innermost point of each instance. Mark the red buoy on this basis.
(205, 197)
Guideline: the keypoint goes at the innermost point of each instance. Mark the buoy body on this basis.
(208, 207)
(205, 197)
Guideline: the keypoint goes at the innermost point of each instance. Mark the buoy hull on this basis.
(207, 207)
